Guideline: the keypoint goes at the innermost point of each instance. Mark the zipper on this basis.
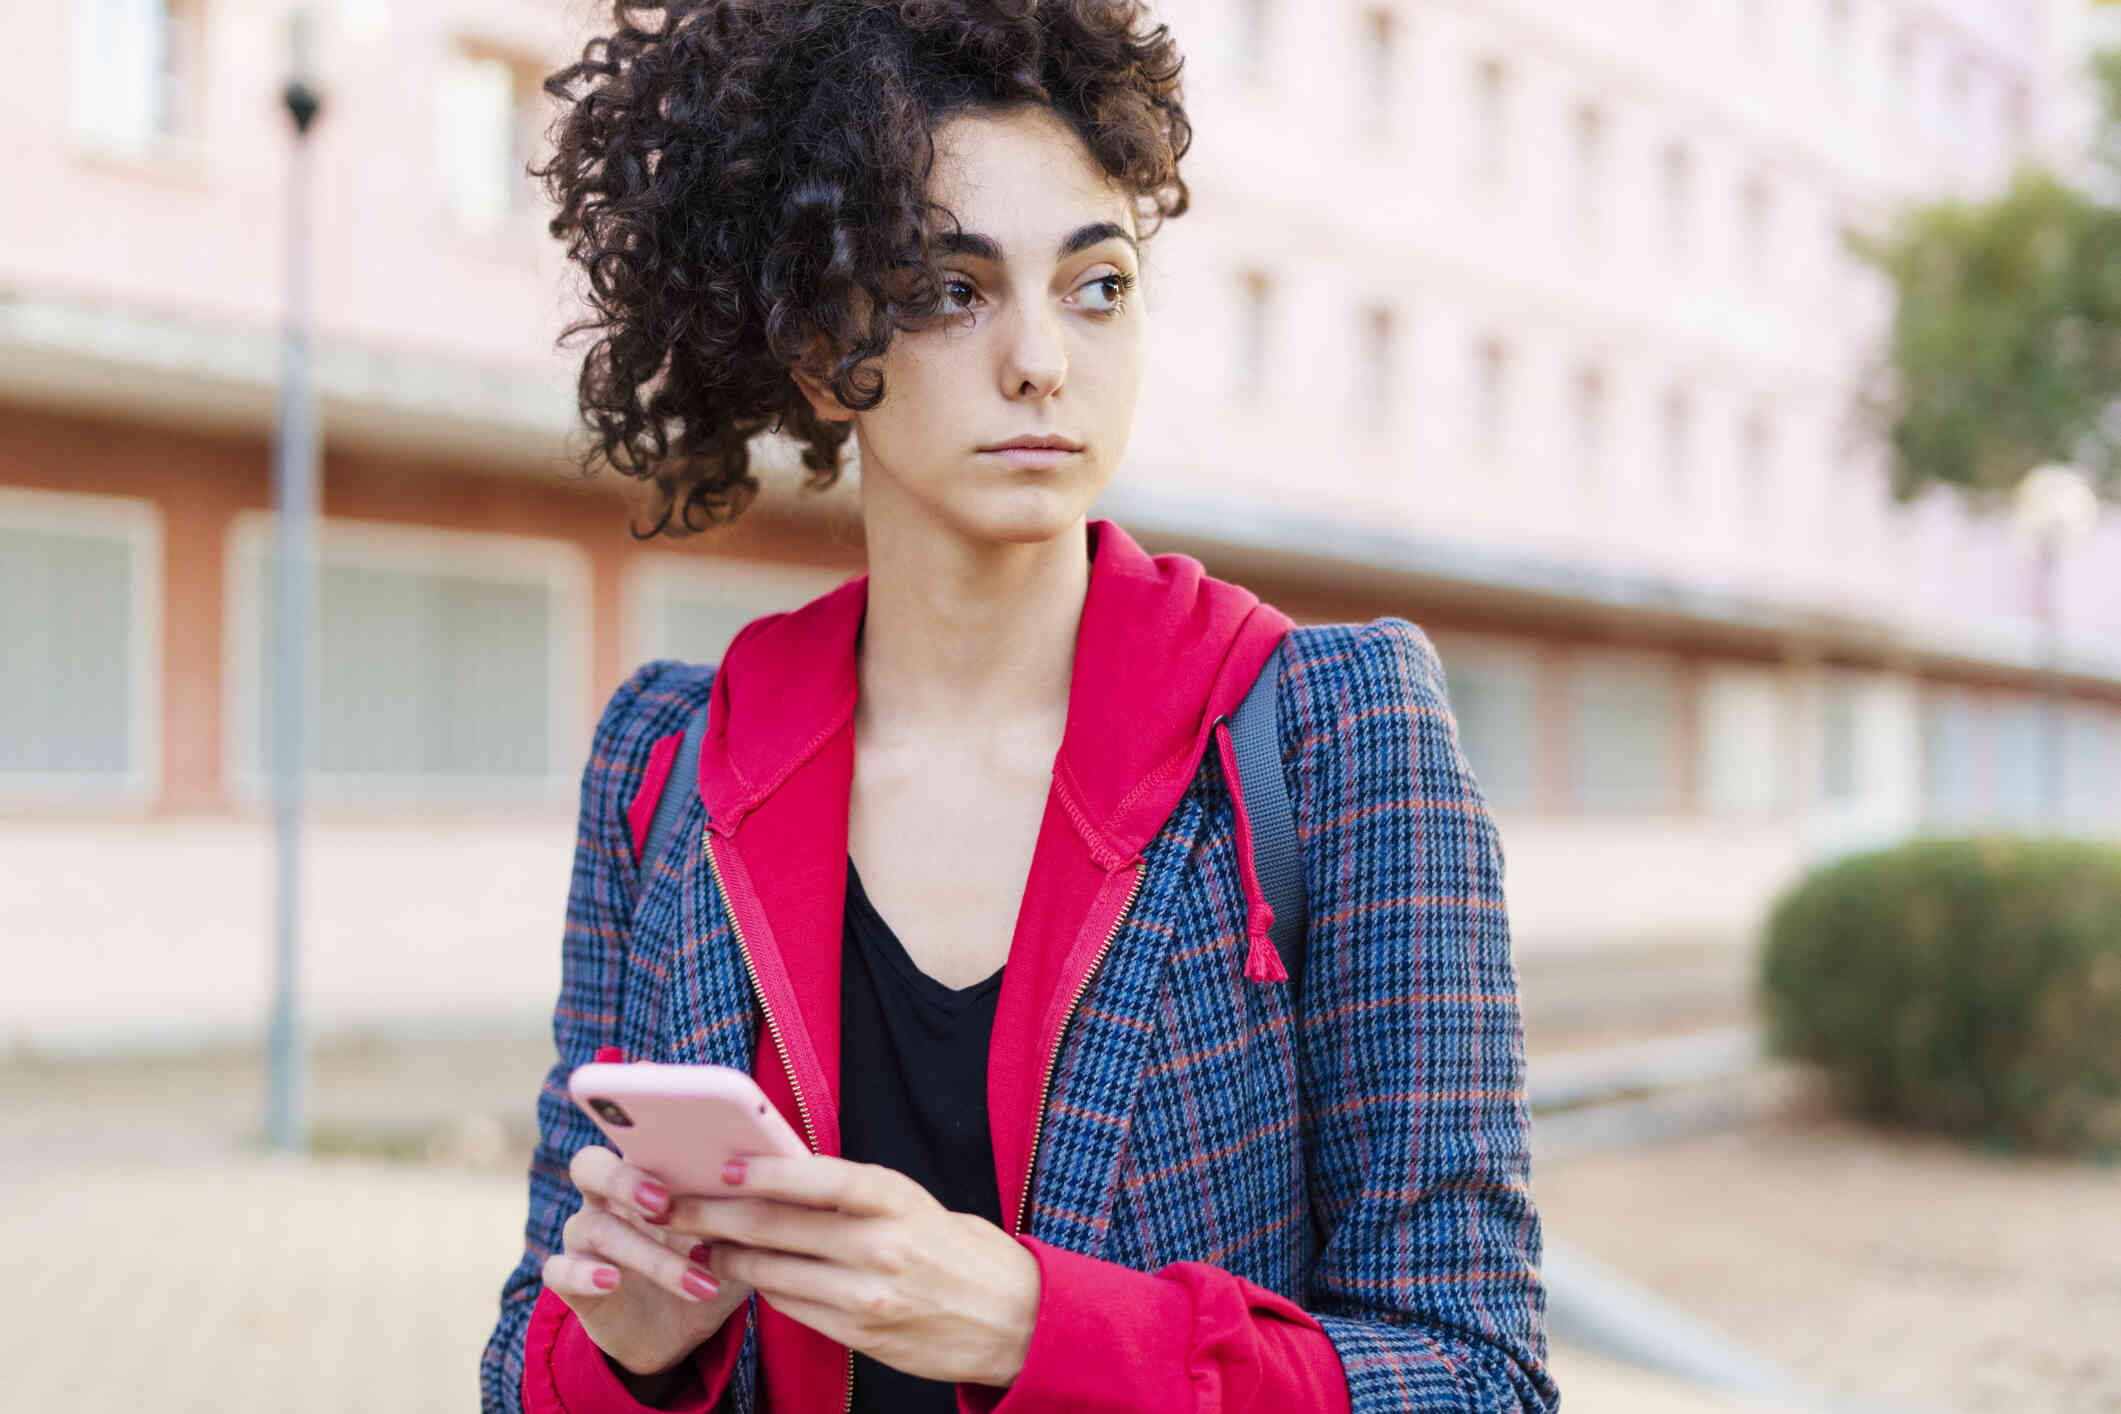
(779, 1045)
(1045, 1082)
(1038, 1123)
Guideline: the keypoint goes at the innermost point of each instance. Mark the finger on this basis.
(580, 1279)
(653, 1231)
(600, 1171)
(822, 1181)
(591, 1169)
(777, 1274)
(772, 1224)
(597, 1234)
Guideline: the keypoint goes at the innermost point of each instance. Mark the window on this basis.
(1254, 20)
(1588, 396)
(2017, 117)
(1679, 201)
(1624, 718)
(1377, 381)
(1994, 123)
(1491, 396)
(80, 586)
(1951, 760)
(690, 608)
(1756, 462)
(1756, 213)
(1491, 138)
(447, 664)
(2021, 764)
(136, 70)
(1900, 74)
(1379, 92)
(487, 111)
(2091, 770)
(1958, 102)
(1836, 31)
(1677, 435)
(1249, 349)
(1589, 213)
(1744, 756)
(1756, 32)
(1840, 779)
(1494, 698)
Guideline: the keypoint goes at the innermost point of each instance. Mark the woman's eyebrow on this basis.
(979, 247)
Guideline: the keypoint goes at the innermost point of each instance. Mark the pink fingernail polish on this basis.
(604, 1279)
(651, 1197)
(700, 1253)
(733, 1172)
(700, 1284)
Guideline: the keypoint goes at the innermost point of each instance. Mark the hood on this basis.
(1162, 651)
(1163, 648)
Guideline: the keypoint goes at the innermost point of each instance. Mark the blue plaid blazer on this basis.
(1362, 1151)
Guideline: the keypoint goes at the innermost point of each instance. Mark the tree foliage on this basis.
(2006, 341)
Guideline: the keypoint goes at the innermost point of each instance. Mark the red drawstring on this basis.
(1262, 962)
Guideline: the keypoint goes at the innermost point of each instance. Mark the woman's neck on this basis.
(963, 636)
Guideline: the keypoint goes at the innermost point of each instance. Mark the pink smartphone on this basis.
(680, 1122)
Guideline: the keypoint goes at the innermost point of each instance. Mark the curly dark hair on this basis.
(749, 175)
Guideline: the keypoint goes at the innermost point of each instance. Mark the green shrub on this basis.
(1967, 985)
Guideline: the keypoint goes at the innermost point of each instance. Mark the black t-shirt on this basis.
(913, 1097)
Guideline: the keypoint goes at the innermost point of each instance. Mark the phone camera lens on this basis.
(610, 1111)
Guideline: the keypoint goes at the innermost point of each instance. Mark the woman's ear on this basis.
(811, 379)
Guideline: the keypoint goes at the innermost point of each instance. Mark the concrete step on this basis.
(1655, 1086)
(1583, 996)
(1571, 1078)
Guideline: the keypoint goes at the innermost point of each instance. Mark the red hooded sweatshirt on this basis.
(1162, 651)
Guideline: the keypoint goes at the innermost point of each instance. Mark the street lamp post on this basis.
(295, 495)
(2054, 507)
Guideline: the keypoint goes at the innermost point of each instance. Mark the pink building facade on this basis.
(1527, 322)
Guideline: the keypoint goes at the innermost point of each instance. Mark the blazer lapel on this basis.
(783, 875)
(710, 1015)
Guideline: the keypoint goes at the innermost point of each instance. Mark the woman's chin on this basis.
(1024, 515)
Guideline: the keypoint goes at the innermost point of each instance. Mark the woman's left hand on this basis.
(865, 1255)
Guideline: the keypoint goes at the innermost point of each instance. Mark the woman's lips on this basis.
(1033, 458)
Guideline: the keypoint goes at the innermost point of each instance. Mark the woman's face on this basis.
(1042, 335)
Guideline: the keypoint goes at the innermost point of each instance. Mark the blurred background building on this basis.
(1525, 320)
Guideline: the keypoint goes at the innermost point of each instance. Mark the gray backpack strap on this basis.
(678, 788)
(1277, 856)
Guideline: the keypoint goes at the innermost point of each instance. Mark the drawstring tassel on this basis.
(1262, 962)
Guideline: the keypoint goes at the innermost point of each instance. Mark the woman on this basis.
(1076, 1145)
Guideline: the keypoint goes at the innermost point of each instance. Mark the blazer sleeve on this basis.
(538, 1359)
(1426, 1292)
(1412, 1044)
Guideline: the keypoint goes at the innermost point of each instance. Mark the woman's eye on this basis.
(1114, 288)
(950, 287)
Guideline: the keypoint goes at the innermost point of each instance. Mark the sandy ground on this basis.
(1914, 1271)
(154, 1251)
(329, 1286)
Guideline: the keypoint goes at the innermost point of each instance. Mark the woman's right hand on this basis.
(633, 1286)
